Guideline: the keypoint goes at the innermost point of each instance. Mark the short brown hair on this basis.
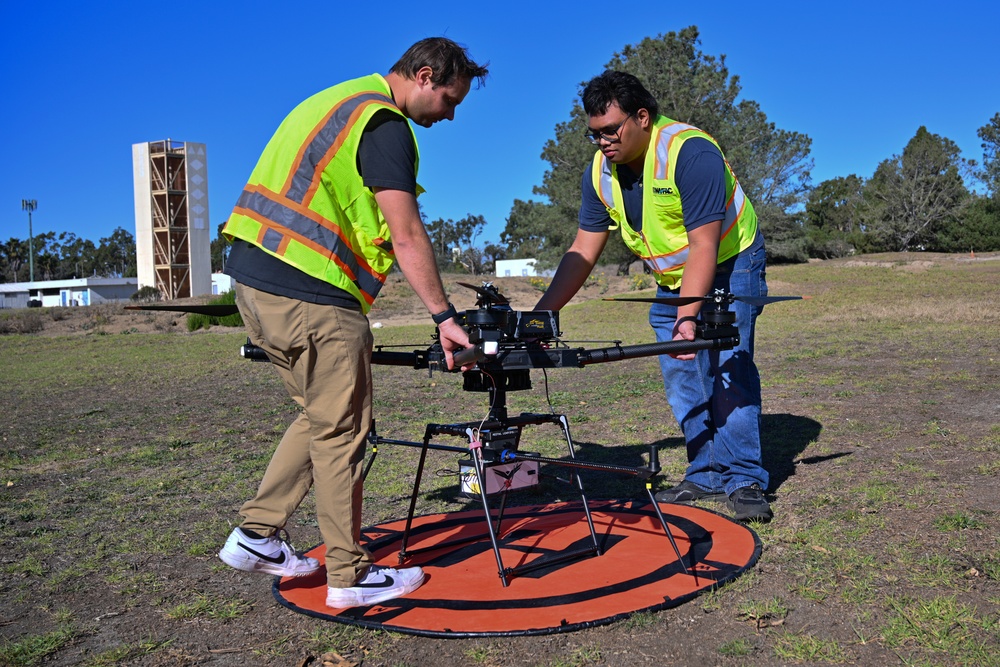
(448, 61)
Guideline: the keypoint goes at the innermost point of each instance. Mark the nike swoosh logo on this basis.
(277, 560)
(386, 583)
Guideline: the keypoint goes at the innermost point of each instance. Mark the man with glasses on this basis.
(667, 187)
(329, 208)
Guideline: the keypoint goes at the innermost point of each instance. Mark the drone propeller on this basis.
(488, 294)
(212, 310)
(718, 298)
(667, 300)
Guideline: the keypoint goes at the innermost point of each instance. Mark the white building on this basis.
(172, 231)
(506, 268)
(221, 283)
(74, 292)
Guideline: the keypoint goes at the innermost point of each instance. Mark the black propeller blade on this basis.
(667, 300)
(488, 294)
(212, 310)
(724, 298)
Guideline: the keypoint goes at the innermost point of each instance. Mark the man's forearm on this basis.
(419, 266)
(413, 247)
(574, 268)
(570, 276)
(699, 270)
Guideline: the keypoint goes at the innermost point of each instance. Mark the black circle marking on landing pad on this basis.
(464, 597)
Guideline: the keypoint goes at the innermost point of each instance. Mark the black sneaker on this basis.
(749, 504)
(686, 493)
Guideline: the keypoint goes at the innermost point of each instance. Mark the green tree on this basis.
(13, 256)
(115, 255)
(914, 196)
(833, 217)
(977, 228)
(786, 240)
(772, 164)
(454, 242)
(538, 230)
(990, 134)
(46, 256)
(77, 256)
(67, 256)
(220, 249)
(491, 253)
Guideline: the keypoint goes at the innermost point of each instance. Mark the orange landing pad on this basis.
(463, 595)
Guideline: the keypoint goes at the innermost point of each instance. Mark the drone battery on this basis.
(499, 476)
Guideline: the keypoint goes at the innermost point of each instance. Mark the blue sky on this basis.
(82, 82)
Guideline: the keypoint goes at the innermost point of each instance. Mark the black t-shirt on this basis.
(386, 158)
(700, 177)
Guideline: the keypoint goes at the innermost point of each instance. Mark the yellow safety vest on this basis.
(662, 243)
(306, 203)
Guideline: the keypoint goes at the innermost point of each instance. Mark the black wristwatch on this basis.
(443, 316)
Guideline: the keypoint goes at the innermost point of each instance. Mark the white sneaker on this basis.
(378, 585)
(271, 555)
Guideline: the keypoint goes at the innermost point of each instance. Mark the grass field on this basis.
(125, 457)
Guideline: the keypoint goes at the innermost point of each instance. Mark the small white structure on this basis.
(221, 283)
(507, 268)
(73, 292)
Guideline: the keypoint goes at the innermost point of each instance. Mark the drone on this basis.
(506, 345)
(507, 340)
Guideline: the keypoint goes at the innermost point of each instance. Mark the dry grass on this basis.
(125, 458)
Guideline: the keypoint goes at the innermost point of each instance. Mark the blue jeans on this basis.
(716, 397)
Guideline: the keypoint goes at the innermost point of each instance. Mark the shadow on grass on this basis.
(784, 438)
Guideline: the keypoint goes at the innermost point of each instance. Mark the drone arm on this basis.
(411, 359)
(469, 355)
(604, 355)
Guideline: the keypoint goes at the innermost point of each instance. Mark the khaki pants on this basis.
(323, 355)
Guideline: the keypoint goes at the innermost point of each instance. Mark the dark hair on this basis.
(620, 88)
(447, 60)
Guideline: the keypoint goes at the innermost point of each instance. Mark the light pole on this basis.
(30, 205)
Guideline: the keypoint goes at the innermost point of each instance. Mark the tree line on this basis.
(65, 256)
(927, 198)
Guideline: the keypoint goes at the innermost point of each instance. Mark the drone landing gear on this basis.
(493, 443)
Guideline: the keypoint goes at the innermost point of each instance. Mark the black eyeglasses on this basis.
(610, 137)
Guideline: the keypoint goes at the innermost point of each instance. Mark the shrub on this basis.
(598, 280)
(196, 321)
(147, 293)
(539, 284)
(21, 322)
(640, 281)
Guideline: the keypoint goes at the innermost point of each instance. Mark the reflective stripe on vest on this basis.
(734, 206)
(323, 145)
(309, 229)
(668, 263)
(305, 202)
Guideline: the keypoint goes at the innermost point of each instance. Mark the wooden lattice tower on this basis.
(173, 248)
